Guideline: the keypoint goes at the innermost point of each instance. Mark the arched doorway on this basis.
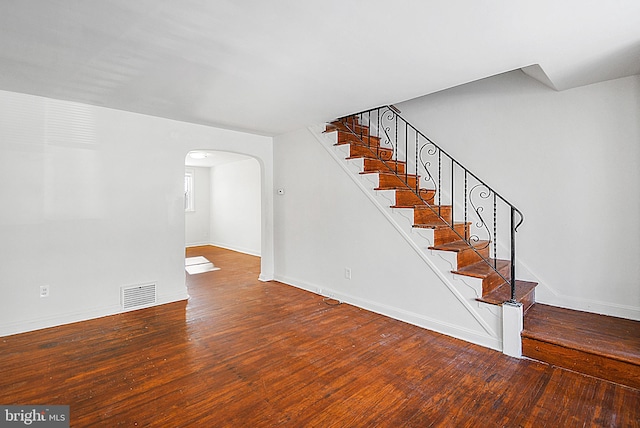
(223, 201)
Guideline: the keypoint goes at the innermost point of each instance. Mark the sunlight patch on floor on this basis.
(195, 265)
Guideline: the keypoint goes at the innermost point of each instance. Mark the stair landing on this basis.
(597, 345)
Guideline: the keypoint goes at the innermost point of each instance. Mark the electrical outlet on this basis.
(347, 273)
(44, 291)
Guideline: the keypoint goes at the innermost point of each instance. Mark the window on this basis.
(188, 190)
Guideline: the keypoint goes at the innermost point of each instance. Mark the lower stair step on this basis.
(466, 255)
(493, 272)
(443, 233)
(484, 269)
(525, 294)
(597, 345)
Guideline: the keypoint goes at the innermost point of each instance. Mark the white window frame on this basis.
(189, 190)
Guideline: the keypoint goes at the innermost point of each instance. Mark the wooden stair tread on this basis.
(372, 149)
(363, 157)
(616, 338)
(394, 166)
(391, 188)
(483, 269)
(423, 191)
(441, 225)
(370, 146)
(503, 292)
(435, 207)
(459, 246)
(399, 162)
(361, 144)
(404, 206)
(390, 173)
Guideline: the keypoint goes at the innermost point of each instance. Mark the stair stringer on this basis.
(442, 263)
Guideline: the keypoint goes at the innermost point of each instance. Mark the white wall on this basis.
(197, 222)
(570, 161)
(325, 223)
(235, 206)
(82, 214)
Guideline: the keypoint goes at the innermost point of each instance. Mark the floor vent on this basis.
(136, 296)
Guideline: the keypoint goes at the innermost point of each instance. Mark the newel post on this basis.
(512, 324)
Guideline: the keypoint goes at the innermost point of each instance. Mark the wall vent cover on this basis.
(137, 296)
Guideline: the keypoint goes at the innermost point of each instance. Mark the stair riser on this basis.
(469, 257)
(427, 215)
(582, 362)
(388, 181)
(528, 301)
(407, 198)
(366, 152)
(444, 236)
(338, 126)
(351, 121)
(347, 137)
(371, 165)
(494, 280)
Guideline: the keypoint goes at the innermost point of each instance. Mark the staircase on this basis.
(425, 180)
(382, 155)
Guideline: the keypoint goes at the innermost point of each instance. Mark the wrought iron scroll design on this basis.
(431, 150)
(480, 191)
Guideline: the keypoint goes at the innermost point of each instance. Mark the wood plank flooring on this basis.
(242, 353)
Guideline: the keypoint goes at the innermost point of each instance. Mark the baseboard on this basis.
(235, 248)
(398, 314)
(549, 296)
(196, 244)
(266, 277)
(78, 316)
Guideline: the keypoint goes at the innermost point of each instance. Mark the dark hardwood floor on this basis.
(242, 353)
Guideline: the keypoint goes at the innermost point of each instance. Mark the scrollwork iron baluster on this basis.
(483, 193)
(426, 164)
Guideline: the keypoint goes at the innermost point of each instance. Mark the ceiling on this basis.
(269, 67)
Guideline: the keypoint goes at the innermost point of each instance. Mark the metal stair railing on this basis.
(489, 215)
